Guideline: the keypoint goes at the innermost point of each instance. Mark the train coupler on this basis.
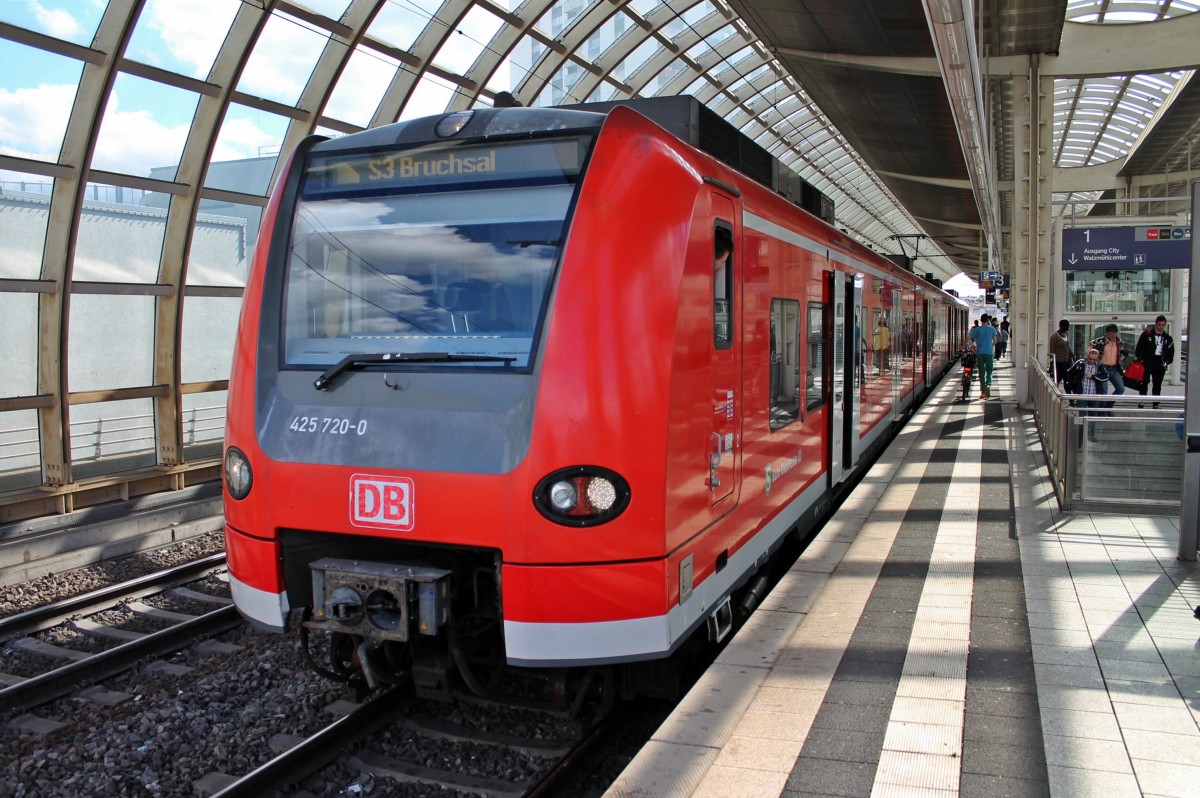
(379, 600)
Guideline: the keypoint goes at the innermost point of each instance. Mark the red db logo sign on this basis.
(381, 502)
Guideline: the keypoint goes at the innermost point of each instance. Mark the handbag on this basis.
(1135, 371)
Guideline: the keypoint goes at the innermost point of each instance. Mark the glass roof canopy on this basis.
(139, 141)
(1097, 120)
(353, 65)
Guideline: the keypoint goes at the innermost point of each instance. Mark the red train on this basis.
(546, 387)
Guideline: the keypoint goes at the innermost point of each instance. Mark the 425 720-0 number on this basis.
(328, 425)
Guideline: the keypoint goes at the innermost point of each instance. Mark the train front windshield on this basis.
(438, 249)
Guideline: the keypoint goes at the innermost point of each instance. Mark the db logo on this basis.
(381, 502)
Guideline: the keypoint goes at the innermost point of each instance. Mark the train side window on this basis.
(785, 362)
(815, 368)
(722, 285)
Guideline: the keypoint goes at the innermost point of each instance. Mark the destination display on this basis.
(427, 167)
(1126, 248)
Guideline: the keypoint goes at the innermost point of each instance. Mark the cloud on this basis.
(34, 120)
(193, 30)
(283, 59)
(56, 22)
(242, 138)
(134, 142)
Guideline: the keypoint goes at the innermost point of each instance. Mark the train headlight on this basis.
(238, 477)
(581, 496)
(564, 496)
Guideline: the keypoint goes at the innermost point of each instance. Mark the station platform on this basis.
(952, 632)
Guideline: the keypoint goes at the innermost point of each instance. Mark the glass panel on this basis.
(36, 100)
(516, 67)
(561, 15)
(283, 59)
(469, 39)
(645, 7)
(785, 362)
(431, 96)
(1138, 291)
(204, 424)
(604, 92)
(722, 286)
(144, 129)
(222, 244)
(644, 52)
(388, 255)
(20, 314)
(361, 86)
(182, 36)
(108, 437)
(605, 36)
(20, 451)
(246, 150)
(399, 24)
(209, 327)
(698, 12)
(111, 342)
(69, 20)
(558, 90)
(327, 8)
(120, 235)
(662, 79)
(814, 375)
(712, 41)
(24, 214)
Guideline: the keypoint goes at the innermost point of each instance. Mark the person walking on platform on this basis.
(1155, 350)
(1001, 343)
(882, 341)
(1112, 357)
(1060, 352)
(984, 337)
(1088, 377)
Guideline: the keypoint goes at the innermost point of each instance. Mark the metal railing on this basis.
(1110, 452)
(110, 436)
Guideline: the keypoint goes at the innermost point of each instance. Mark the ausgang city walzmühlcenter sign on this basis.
(1121, 248)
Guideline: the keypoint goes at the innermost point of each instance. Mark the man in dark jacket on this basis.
(1156, 350)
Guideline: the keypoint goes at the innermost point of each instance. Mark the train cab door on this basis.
(846, 295)
(724, 440)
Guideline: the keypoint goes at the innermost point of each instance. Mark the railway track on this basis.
(354, 741)
(118, 649)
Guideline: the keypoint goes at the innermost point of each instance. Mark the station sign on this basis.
(1126, 248)
(994, 280)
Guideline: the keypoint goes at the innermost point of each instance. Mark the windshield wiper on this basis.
(358, 361)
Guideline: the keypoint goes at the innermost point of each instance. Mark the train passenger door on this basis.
(895, 310)
(724, 444)
(846, 295)
(926, 340)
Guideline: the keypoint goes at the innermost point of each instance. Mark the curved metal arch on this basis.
(653, 66)
(339, 47)
(713, 56)
(194, 161)
(570, 39)
(433, 37)
(58, 256)
(499, 49)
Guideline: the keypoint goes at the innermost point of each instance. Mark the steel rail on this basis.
(42, 689)
(48, 615)
(316, 752)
